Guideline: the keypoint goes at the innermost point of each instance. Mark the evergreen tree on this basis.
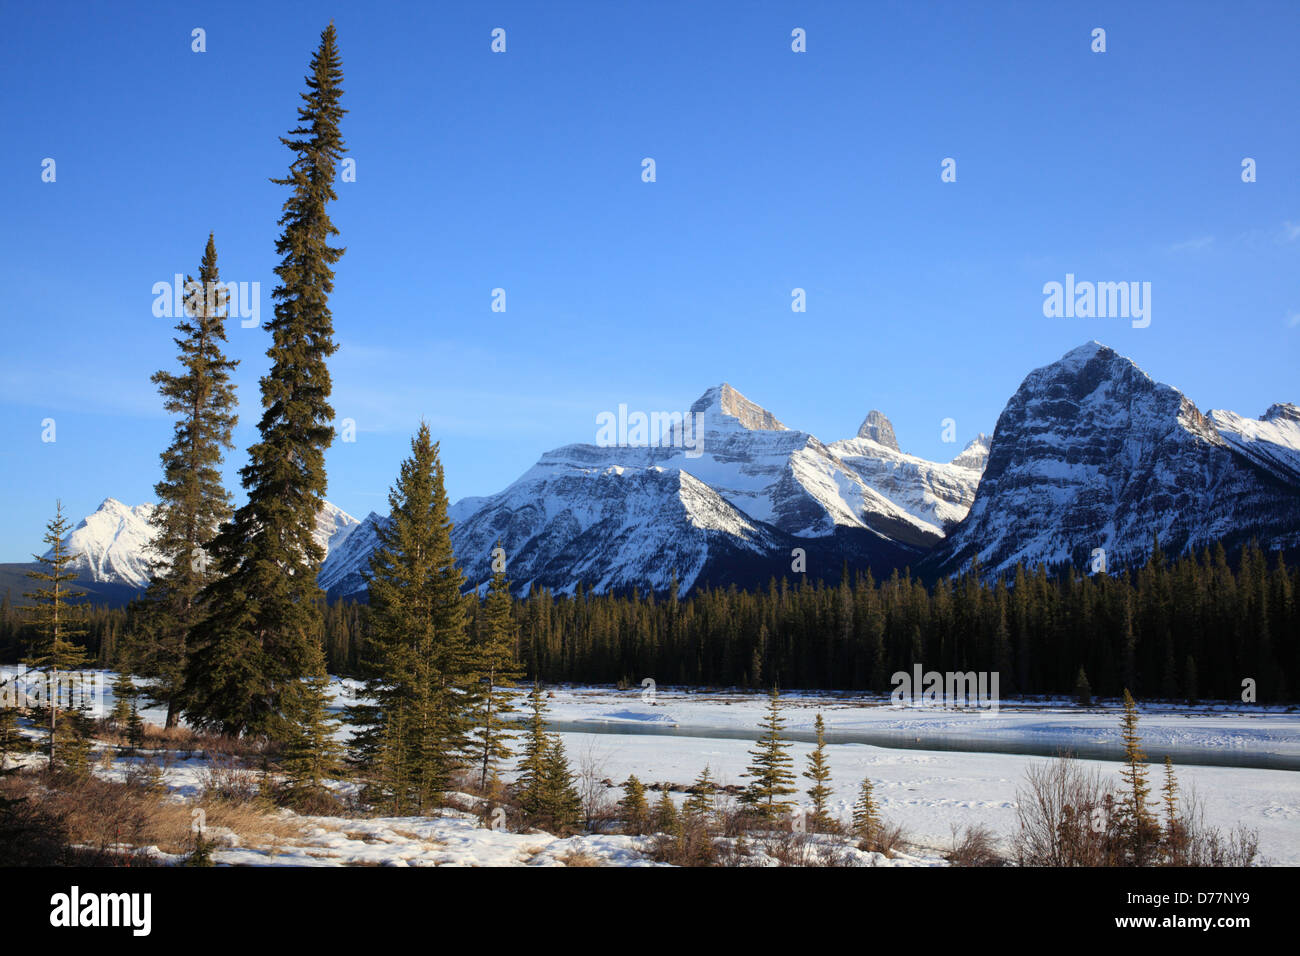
(124, 695)
(1173, 833)
(75, 735)
(866, 815)
(819, 772)
(531, 782)
(494, 663)
(421, 677)
(1082, 689)
(1134, 820)
(192, 500)
(633, 806)
(770, 774)
(562, 806)
(264, 609)
(666, 818)
(310, 753)
(53, 652)
(699, 805)
(134, 726)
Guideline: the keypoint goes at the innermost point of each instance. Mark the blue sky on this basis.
(522, 171)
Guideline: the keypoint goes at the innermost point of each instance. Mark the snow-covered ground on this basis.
(919, 782)
(929, 791)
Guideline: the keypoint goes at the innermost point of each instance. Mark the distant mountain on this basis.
(112, 552)
(625, 516)
(1091, 452)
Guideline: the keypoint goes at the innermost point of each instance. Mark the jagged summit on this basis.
(725, 400)
(975, 454)
(879, 429)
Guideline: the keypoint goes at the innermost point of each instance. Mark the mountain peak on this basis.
(879, 429)
(1281, 411)
(725, 400)
(975, 454)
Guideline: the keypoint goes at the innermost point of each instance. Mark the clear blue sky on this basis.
(523, 171)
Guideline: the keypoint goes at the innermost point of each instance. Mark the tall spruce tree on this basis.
(192, 501)
(52, 651)
(264, 609)
(770, 772)
(413, 735)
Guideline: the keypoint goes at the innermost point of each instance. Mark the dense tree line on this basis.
(1195, 627)
(1191, 628)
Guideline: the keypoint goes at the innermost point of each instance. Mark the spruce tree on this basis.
(666, 818)
(770, 772)
(496, 672)
(819, 772)
(1136, 825)
(52, 651)
(1173, 830)
(311, 754)
(419, 670)
(264, 609)
(124, 695)
(699, 805)
(1082, 689)
(192, 500)
(633, 806)
(866, 815)
(531, 782)
(562, 806)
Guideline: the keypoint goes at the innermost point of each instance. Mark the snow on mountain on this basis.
(976, 453)
(342, 570)
(1271, 441)
(113, 543)
(739, 501)
(1090, 452)
(935, 493)
(333, 526)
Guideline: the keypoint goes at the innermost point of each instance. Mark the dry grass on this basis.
(579, 858)
(105, 822)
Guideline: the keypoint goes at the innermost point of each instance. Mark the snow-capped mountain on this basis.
(731, 508)
(1090, 452)
(113, 543)
(937, 494)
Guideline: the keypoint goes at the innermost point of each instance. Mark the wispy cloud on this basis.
(1190, 245)
(1290, 231)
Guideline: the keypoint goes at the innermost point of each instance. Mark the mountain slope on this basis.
(1090, 452)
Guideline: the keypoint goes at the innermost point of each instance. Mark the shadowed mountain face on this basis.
(1090, 453)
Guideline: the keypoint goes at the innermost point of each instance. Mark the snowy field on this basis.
(929, 791)
(920, 782)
